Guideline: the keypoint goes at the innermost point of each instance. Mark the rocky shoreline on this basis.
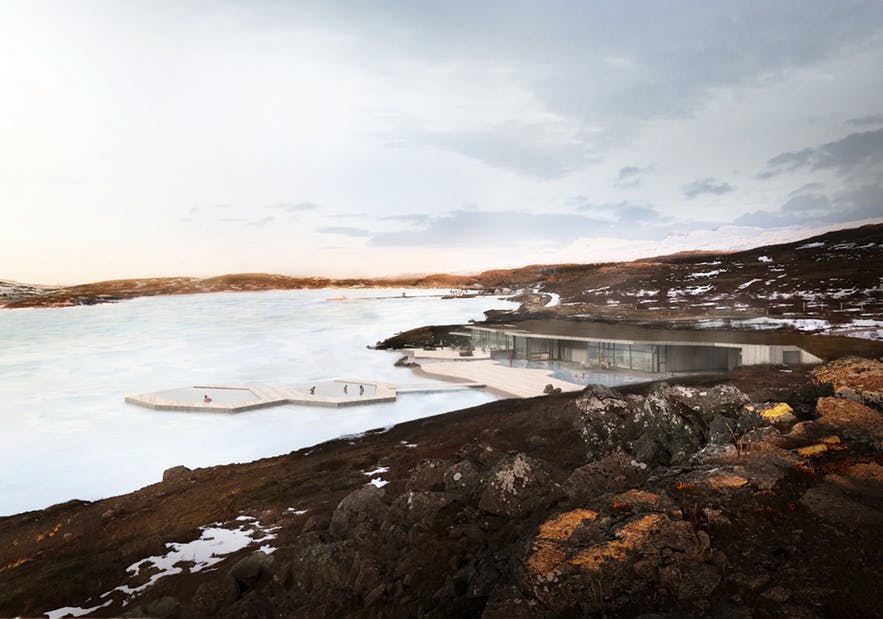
(754, 494)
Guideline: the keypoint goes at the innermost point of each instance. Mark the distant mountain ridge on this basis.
(837, 276)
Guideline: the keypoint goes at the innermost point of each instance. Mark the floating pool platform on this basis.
(237, 399)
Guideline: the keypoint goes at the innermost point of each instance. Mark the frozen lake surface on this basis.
(67, 434)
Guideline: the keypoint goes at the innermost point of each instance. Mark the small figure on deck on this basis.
(206, 398)
(313, 390)
(345, 388)
(361, 389)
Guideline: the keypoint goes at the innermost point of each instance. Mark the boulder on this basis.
(605, 420)
(213, 595)
(575, 554)
(675, 427)
(165, 607)
(518, 485)
(613, 473)
(418, 508)
(252, 570)
(463, 481)
(428, 475)
(482, 455)
(721, 430)
(359, 513)
(324, 567)
(176, 472)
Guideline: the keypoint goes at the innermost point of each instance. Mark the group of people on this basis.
(345, 389)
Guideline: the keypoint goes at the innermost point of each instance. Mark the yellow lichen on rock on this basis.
(777, 411)
(812, 450)
(629, 538)
(548, 550)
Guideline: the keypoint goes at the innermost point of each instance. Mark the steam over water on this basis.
(66, 432)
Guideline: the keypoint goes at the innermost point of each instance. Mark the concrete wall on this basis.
(700, 358)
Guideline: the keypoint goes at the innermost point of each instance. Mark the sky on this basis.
(142, 139)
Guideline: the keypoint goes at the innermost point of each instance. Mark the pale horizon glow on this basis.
(148, 139)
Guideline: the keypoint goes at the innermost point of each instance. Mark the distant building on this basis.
(631, 348)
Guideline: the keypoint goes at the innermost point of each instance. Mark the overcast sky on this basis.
(380, 138)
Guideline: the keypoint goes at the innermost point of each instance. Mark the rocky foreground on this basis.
(759, 494)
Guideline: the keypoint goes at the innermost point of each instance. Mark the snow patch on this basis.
(377, 471)
(746, 284)
(764, 259)
(378, 482)
(811, 245)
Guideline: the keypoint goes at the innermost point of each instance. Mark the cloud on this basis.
(623, 212)
(263, 221)
(414, 219)
(811, 207)
(468, 227)
(865, 121)
(706, 185)
(294, 207)
(543, 150)
(630, 176)
(853, 151)
(346, 231)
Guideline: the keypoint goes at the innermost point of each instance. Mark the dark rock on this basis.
(418, 508)
(605, 421)
(213, 595)
(748, 420)
(650, 450)
(252, 570)
(176, 472)
(613, 473)
(163, 608)
(715, 453)
(725, 400)
(758, 435)
(480, 454)
(671, 422)
(375, 594)
(463, 481)
(324, 567)
(362, 510)
(574, 553)
(317, 522)
(720, 430)
(518, 485)
(428, 475)
(510, 603)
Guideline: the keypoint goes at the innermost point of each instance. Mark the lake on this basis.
(67, 433)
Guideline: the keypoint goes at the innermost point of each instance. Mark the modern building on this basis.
(630, 348)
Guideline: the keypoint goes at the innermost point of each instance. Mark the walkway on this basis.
(514, 382)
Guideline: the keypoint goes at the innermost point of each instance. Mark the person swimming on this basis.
(206, 398)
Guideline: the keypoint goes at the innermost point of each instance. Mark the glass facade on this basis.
(642, 357)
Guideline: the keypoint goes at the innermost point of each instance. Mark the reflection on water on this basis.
(573, 373)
